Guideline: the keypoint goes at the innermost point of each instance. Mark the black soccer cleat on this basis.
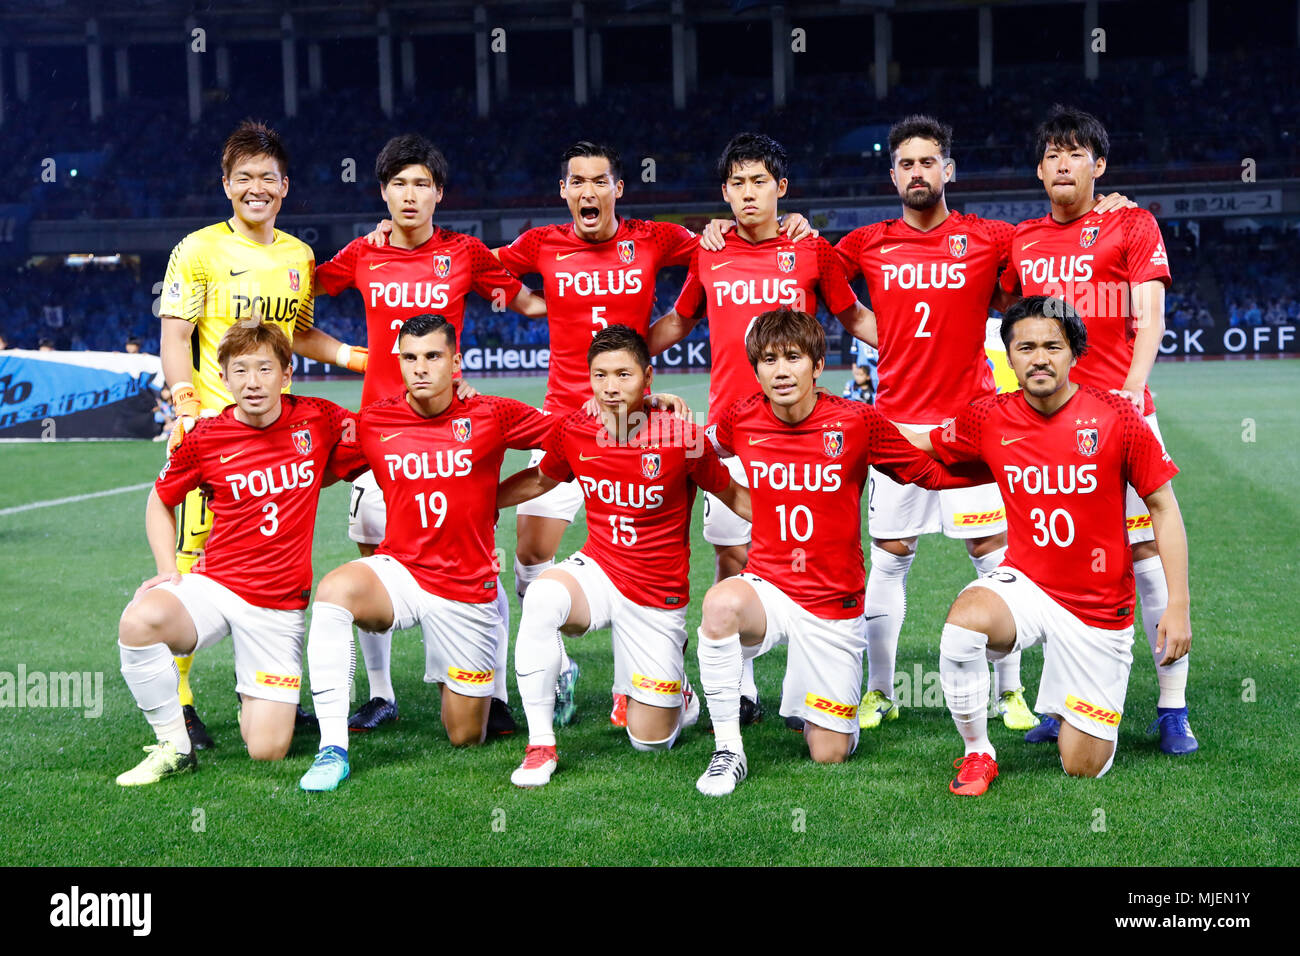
(751, 711)
(795, 724)
(500, 720)
(200, 739)
(305, 720)
(373, 712)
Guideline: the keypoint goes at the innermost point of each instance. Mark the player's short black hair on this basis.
(410, 149)
(426, 324)
(924, 127)
(616, 338)
(1047, 307)
(1070, 127)
(785, 326)
(253, 138)
(585, 147)
(753, 147)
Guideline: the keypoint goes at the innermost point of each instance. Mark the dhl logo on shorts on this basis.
(658, 686)
(1108, 717)
(1138, 522)
(831, 707)
(279, 680)
(470, 677)
(974, 518)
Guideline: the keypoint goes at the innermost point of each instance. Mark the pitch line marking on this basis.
(74, 498)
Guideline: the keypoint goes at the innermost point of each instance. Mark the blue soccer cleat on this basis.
(1176, 737)
(327, 771)
(1046, 732)
(566, 704)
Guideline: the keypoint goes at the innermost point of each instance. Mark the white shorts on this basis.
(823, 670)
(896, 511)
(367, 516)
(268, 641)
(1136, 512)
(459, 638)
(722, 526)
(1085, 668)
(649, 642)
(562, 501)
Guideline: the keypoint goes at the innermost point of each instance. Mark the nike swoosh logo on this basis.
(756, 441)
(872, 617)
(885, 250)
(561, 258)
(226, 458)
(582, 457)
(376, 265)
(1028, 244)
(715, 268)
(386, 437)
(1012, 441)
(239, 273)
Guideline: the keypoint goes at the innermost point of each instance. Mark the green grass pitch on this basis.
(69, 570)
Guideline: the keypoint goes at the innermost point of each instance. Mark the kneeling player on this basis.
(638, 470)
(438, 462)
(806, 456)
(1063, 455)
(263, 460)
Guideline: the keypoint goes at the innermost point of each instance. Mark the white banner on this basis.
(1238, 202)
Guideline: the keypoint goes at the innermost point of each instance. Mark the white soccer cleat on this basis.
(691, 714)
(539, 763)
(726, 769)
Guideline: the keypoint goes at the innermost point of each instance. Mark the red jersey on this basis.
(592, 285)
(639, 496)
(1091, 263)
(439, 480)
(265, 484)
(1064, 488)
(805, 483)
(745, 280)
(930, 292)
(399, 283)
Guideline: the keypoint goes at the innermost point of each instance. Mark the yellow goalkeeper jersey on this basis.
(217, 277)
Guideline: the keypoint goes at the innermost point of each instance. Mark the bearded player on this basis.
(263, 461)
(1065, 456)
(1114, 270)
(240, 270)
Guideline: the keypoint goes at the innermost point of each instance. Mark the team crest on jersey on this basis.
(626, 251)
(302, 441)
(651, 464)
(785, 261)
(957, 245)
(1085, 439)
(460, 429)
(833, 441)
(1088, 235)
(293, 279)
(441, 266)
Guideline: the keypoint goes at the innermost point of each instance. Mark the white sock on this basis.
(377, 652)
(747, 686)
(525, 575)
(538, 654)
(886, 597)
(150, 673)
(986, 563)
(964, 675)
(502, 635)
(721, 664)
(331, 664)
(1153, 591)
(1006, 671)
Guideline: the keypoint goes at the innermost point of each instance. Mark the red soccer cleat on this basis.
(974, 774)
(618, 716)
(539, 763)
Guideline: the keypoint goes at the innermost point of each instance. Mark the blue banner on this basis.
(60, 395)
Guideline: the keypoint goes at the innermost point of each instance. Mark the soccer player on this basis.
(263, 460)
(437, 459)
(1114, 270)
(423, 268)
(638, 470)
(806, 455)
(1064, 455)
(756, 270)
(239, 270)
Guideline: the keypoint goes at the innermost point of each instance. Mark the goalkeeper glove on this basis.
(353, 357)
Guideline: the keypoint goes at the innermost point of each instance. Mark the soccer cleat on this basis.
(327, 771)
(305, 720)
(1176, 737)
(539, 763)
(876, 708)
(618, 714)
(1013, 710)
(163, 761)
(200, 739)
(691, 714)
(375, 711)
(500, 720)
(566, 704)
(726, 769)
(1046, 732)
(974, 774)
(751, 711)
(795, 724)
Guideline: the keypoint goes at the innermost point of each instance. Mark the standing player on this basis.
(263, 460)
(423, 268)
(438, 462)
(1114, 271)
(638, 470)
(757, 269)
(240, 270)
(1064, 455)
(806, 455)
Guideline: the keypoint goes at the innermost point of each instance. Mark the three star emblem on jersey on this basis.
(442, 266)
(460, 429)
(1088, 235)
(302, 441)
(833, 442)
(293, 279)
(957, 245)
(651, 464)
(626, 251)
(1085, 439)
(785, 260)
